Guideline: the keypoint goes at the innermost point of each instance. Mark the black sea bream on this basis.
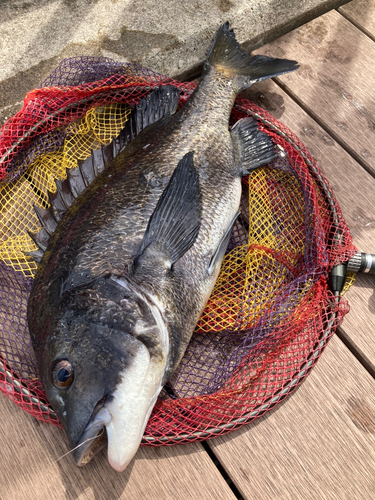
(126, 271)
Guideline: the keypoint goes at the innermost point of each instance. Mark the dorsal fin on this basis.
(159, 103)
(41, 239)
(46, 218)
(36, 255)
(65, 192)
(76, 182)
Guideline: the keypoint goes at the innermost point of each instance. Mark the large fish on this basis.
(126, 271)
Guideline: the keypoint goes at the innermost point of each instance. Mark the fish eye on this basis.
(62, 374)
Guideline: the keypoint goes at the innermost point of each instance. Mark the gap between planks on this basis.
(336, 80)
(319, 444)
(324, 126)
(335, 163)
(315, 118)
(357, 353)
(361, 14)
(30, 449)
(267, 91)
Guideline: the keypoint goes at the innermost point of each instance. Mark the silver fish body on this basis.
(131, 264)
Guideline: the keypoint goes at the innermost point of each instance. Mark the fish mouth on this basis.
(94, 437)
(119, 419)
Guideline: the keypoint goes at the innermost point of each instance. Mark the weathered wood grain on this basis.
(318, 445)
(359, 325)
(336, 79)
(29, 450)
(355, 192)
(362, 14)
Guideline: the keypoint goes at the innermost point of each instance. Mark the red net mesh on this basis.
(270, 314)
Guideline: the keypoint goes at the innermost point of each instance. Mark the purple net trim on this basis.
(79, 70)
(15, 343)
(46, 143)
(72, 72)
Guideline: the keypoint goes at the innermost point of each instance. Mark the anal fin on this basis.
(254, 147)
(218, 256)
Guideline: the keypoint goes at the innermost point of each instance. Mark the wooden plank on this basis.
(29, 469)
(362, 14)
(33, 472)
(336, 80)
(358, 327)
(319, 444)
(354, 189)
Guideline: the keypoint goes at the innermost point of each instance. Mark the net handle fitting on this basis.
(362, 263)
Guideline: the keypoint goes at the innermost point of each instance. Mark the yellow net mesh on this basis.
(98, 127)
(245, 270)
(251, 276)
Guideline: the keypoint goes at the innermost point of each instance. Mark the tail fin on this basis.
(227, 57)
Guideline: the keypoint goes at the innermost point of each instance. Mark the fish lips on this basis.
(94, 436)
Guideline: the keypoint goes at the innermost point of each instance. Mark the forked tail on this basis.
(227, 57)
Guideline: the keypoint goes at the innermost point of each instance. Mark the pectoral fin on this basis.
(174, 225)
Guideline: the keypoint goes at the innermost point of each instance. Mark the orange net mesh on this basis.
(270, 314)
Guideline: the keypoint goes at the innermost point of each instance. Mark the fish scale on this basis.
(131, 264)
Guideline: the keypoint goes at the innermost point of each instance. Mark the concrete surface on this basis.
(165, 35)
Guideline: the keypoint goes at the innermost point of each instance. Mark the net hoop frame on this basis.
(282, 393)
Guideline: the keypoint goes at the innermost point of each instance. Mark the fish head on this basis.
(102, 370)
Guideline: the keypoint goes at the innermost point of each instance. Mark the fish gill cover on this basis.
(270, 314)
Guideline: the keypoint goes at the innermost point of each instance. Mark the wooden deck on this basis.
(319, 444)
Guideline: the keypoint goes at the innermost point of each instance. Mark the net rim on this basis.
(286, 389)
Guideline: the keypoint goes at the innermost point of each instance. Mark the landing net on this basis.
(270, 314)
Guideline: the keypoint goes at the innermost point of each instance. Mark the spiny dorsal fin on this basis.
(49, 217)
(76, 182)
(174, 225)
(41, 239)
(46, 218)
(254, 147)
(36, 255)
(57, 204)
(98, 160)
(160, 102)
(65, 193)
